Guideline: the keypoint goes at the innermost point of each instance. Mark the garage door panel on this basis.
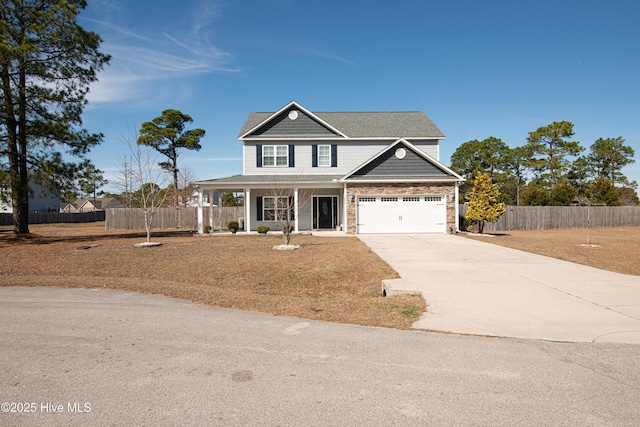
(401, 214)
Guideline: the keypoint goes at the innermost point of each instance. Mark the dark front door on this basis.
(325, 212)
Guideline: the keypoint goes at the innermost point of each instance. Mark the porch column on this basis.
(200, 212)
(219, 203)
(345, 202)
(211, 211)
(457, 202)
(247, 209)
(295, 209)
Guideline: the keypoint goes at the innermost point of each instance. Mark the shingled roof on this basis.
(393, 125)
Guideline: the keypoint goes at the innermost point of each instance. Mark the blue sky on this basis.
(478, 69)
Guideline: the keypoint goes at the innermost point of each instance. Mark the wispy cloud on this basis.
(144, 57)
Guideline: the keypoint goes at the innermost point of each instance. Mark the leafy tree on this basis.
(475, 156)
(562, 194)
(232, 199)
(609, 155)
(550, 144)
(628, 196)
(166, 134)
(483, 204)
(534, 194)
(47, 62)
(603, 192)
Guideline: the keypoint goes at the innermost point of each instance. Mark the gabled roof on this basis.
(385, 125)
(401, 162)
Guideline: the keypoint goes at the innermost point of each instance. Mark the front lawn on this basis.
(334, 279)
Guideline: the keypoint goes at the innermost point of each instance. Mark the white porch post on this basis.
(200, 212)
(211, 211)
(344, 208)
(457, 202)
(219, 203)
(247, 209)
(296, 213)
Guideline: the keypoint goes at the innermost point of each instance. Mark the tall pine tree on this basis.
(47, 62)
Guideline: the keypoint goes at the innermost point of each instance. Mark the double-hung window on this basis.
(276, 208)
(275, 155)
(324, 155)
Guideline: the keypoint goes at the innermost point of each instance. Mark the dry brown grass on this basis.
(334, 279)
(613, 249)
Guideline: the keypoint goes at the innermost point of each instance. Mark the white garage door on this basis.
(401, 214)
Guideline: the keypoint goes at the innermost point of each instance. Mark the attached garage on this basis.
(401, 214)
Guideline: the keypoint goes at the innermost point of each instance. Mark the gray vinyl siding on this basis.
(388, 166)
(303, 126)
(351, 154)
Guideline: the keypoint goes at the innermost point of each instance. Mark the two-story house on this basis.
(362, 172)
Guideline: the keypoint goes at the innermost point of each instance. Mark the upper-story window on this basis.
(324, 155)
(275, 155)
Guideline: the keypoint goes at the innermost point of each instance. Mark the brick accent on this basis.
(363, 189)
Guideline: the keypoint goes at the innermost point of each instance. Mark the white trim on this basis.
(200, 212)
(414, 149)
(247, 209)
(328, 157)
(289, 105)
(345, 208)
(296, 212)
(275, 156)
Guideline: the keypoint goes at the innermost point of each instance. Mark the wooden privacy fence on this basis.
(551, 217)
(165, 218)
(56, 217)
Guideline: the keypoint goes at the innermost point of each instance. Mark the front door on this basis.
(324, 209)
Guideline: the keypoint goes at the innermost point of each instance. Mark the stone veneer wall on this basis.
(355, 190)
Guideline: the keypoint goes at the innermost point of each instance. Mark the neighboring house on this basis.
(91, 204)
(362, 172)
(38, 201)
(192, 200)
(580, 201)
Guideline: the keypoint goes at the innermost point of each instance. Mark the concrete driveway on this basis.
(479, 288)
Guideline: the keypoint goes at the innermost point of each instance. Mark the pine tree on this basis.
(483, 203)
(47, 62)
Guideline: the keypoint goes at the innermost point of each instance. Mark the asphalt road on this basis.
(102, 357)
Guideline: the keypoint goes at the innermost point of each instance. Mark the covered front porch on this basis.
(306, 203)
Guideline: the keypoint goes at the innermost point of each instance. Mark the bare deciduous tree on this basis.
(279, 204)
(142, 181)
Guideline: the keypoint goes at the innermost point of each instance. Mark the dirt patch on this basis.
(333, 279)
(613, 249)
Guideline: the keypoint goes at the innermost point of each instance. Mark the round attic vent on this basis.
(401, 153)
(293, 114)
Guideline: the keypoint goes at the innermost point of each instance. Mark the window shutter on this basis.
(334, 156)
(314, 155)
(292, 160)
(292, 208)
(259, 156)
(259, 208)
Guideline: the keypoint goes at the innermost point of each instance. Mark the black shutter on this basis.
(259, 156)
(334, 156)
(259, 208)
(292, 209)
(314, 155)
(292, 157)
